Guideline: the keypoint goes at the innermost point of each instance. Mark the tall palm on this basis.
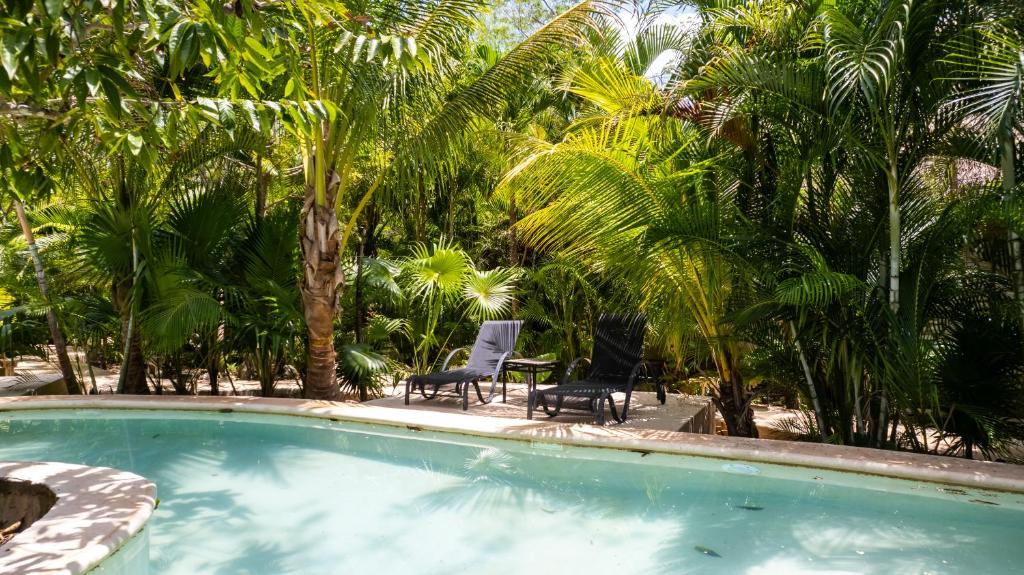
(350, 65)
(638, 195)
(988, 63)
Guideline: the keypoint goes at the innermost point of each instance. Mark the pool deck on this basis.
(684, 413)
(98, 510)
(977, 475)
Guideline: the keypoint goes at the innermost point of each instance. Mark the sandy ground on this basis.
(680, 412)
(105, 380)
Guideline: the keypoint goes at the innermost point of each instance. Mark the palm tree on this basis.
(988, 60)
(636, 194)
(358, 69)
(59, 343)
(442, 281)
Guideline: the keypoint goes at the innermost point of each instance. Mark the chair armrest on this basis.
(639, 370)
(571, 368)
(447, 360)
(501, 364)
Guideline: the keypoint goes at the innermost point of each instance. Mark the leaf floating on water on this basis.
(155, 436)
(953, 490)
(983, 502)
(750, 507)
(706, 550)
(546, 510)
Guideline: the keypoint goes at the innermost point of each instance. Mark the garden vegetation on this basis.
(813, 202)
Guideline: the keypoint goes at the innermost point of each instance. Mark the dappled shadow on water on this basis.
(255, 558)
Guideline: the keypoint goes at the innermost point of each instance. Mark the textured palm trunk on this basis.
(1009, 177)
(56, 334)
(322, 274)
(133, 367)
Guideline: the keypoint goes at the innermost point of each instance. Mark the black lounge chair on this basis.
(616, 366)
(494, 344)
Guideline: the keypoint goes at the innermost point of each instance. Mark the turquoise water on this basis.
(247, 494)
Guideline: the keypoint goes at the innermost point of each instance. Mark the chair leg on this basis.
(433, 394)
(476, 385)
(625, 405)
(611, 407)
(531, 398)
(465, 397)
(408, 389)
(599, 412)
(547, 409)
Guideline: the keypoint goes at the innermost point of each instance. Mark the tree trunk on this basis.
(812, 392)
(322, 274)
(213, 371)
(51, 317)
(734, 401)
(367, 249)
(895, 263)
(358, 301)
(134, 364)
(513, 247)
(1009, 177)
(421, 210)
(894, 238)
(261, 189)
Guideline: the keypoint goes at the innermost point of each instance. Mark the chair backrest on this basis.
(494, 339)
(618, 345)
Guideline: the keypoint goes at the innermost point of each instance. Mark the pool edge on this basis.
(894, 464)
(98, 511)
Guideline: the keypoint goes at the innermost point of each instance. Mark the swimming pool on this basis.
(246, 494)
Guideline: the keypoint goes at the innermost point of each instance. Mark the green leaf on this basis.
(53, 8)
(258, 48)
(135, 142)
(112, 93)
(9, 52)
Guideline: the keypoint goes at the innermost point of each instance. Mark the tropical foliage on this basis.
(819, 201)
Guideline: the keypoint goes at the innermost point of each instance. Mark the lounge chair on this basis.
(616, 365)
(495, 343)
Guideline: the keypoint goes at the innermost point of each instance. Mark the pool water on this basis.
(253, 494)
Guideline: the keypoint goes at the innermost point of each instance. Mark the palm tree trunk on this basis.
(513, 246)
(133, 368)
(734, 400)
(358, 299)
(892, 178)
(51, 317)
(261, 189)
(421, 210)
(322, 274)
(132, 378)
(894, 238)
(819, 415)
(1009, 177)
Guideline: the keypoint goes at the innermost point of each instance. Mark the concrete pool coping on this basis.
(98, 510)
(893, 464)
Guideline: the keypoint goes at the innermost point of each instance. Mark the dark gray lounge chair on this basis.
(495, 343)
(616, 366)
